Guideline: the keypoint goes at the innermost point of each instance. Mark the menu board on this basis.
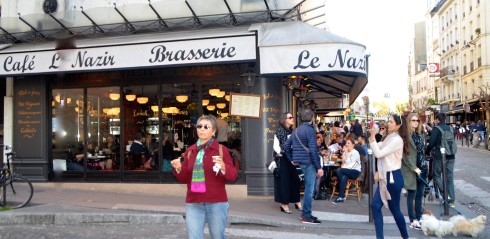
(246, 105)
(28, 113)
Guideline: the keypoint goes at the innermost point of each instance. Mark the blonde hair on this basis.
(409, 126)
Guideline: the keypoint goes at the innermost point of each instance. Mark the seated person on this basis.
(111, 150)
(361, 140)
(74, 159)
(350, 169)
(138, 151)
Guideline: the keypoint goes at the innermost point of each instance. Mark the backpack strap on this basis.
(221, 151)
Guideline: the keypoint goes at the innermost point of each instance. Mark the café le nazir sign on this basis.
(138, 55)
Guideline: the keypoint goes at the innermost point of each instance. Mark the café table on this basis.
(329, 168)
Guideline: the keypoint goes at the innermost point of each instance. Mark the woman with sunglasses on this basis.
(287, 184)
(414, 164)
(381, 132)
(390, 179)
(206, 167)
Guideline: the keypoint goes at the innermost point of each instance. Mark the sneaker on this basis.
(451, 204)
(338, 201)
(310, 220)
(416, 225)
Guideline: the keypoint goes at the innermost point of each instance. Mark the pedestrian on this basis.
(389, 176)
(301, 149)
(286, 184)
(382, 132)
(206, 167)
(356, 128)
(481, 130)
(435, 144)
(414, 165)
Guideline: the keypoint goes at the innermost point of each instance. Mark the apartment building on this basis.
(458, 40)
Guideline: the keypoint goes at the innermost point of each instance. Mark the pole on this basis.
(444, 181)
(370, 182)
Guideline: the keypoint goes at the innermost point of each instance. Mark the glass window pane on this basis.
(67, 125)
(102, 123)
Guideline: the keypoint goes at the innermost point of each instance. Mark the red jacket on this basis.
(215, 184)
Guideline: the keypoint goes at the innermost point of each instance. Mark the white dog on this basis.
(471, 227)
(433, 226)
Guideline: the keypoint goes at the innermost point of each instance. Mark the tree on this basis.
(383, 107)
(400, 108)
(484, 98)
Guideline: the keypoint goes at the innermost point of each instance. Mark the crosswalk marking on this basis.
(473, 191)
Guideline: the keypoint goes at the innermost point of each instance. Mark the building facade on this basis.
(457, 40)
(80, 74)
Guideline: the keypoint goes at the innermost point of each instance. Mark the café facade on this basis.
(66, 96)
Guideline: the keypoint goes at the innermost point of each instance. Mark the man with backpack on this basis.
(442, 136)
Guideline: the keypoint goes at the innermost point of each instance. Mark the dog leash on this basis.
(442, 200)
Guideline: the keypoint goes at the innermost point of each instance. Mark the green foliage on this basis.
(431, 101)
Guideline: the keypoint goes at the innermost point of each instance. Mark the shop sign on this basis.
(129, 56)
(311, 58)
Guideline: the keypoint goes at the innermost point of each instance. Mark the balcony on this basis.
(447, 71)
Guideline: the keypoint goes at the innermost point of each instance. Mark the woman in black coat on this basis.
(286, 183)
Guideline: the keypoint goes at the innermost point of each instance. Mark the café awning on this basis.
(333, 66)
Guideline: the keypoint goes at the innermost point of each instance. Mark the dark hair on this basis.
(363, 138)
(351, 139)
(307, 115)
(138, 136)
(441, 117)
(282, 119)
(336, 124)
(402, 131)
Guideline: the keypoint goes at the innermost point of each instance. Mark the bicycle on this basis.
(15, 190)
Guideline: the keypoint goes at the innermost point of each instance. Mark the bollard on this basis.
(370, 182)
(444, 181)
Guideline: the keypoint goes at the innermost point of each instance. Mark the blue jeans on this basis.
(395, 190)
(214, 214)
(309, 171)
(342, 175)
(416, 195)
(450, 176)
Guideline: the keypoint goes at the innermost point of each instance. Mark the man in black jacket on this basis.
(435, 143)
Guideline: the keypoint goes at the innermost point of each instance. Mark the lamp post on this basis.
(365, 99)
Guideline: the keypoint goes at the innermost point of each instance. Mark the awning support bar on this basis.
(269, 12)
(232, 16)
(160, 19)
(61, 24)
(196, 19)
(126, 22)
(293, 8)
(8, 35)
(94, 25)
(36, 32)
(316, 84)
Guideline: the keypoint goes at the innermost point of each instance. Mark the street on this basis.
(472, 191)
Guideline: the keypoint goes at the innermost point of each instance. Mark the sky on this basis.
(386, 28)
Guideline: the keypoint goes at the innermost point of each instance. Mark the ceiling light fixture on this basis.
(114, 96)
(182, 98)
(131, 97)
(211, 107)
(221, 105)
(214, 91)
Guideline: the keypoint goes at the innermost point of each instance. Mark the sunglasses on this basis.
(382, 128)
(290, 117)
(415, 120)
(206, 127)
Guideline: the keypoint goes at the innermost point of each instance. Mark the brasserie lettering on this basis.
(19, 66)
(90, 61)
(161, 54)
(352, 62)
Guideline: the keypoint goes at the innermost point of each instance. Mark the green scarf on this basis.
(198, 182)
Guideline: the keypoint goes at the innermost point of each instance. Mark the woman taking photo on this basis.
(286, 184)
(390, 179)
(414, 164)
(206, 167)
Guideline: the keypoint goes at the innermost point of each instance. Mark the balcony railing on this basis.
(447, 71)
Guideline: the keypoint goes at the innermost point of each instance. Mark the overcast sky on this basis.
(386, 28)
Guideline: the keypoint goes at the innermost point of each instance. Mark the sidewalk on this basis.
(91, 203)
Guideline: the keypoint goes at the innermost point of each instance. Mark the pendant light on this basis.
(131, 97)
(221, 105)
(114, 96)
(182, 98)
(143, 99)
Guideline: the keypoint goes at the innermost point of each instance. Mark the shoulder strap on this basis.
(296, 133)
(221, 151)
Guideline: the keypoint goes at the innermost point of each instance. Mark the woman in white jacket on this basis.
(390, 179)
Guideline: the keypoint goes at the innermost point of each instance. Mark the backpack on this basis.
(447, 141)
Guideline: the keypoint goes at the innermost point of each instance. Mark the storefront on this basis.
(64, 105)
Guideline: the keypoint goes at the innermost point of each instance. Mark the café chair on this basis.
(357, 183)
